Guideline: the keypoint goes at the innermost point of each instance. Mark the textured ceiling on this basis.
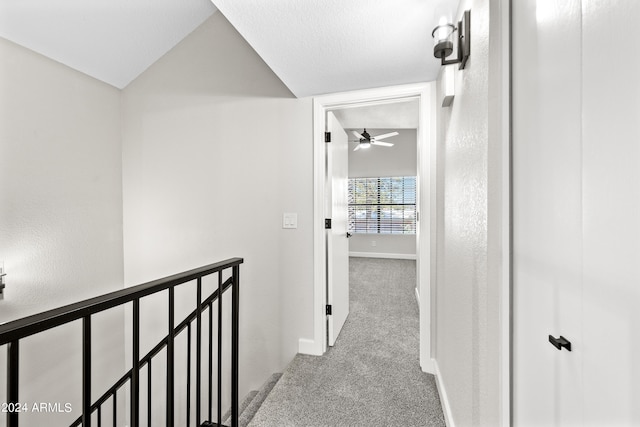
(111, 40)
(397, 115)
(327, 46)
(314, 47)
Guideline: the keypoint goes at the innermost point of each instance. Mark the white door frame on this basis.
(425, 93)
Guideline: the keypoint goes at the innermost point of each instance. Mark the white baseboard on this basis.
(306, 346)
(382, 255)
(427, 366)
(446, 408)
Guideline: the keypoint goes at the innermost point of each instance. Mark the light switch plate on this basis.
(289, 220)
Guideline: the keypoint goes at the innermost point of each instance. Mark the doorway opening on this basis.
(423, 95)
(373, 199)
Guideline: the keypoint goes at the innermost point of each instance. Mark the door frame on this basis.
(426, 231)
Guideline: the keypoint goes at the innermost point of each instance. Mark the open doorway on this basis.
(371, 181)
(422, 95)
(382, 179)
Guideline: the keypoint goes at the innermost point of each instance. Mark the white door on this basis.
(576, 215)
(337, 243)
(547, 209)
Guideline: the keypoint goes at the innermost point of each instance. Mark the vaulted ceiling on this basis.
(327, 46)
(314, 47)
(111, 40)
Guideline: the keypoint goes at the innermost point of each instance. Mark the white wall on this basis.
(399, 160)
(60, 218)
(467, 347)
(215, 149)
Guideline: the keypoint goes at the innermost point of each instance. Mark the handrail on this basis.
(21, 328)
(12, 332)
(154, 351)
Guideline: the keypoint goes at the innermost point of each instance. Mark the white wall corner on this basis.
(447, 89)
(444, 400)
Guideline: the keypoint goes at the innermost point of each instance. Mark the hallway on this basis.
(372, 375)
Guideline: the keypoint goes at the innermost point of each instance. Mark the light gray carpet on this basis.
(371, 377)
(253, 402)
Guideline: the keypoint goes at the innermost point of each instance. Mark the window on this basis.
(382, 205)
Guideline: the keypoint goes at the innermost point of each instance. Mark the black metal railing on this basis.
(11, 333)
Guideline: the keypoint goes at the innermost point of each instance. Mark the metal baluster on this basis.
(100, 416)
(149, 393)
(115, 408)
(210, 361)
(86, 371)
(135, 363)
(235, 307)
(188, 374)
(170, 359)
(198, 349)
(13, 380)
(220, 348)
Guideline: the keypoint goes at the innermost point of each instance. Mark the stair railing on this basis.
(12, 332)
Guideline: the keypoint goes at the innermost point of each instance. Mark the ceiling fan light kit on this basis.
(365, 140)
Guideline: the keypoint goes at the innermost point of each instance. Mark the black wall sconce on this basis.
(443, 41)
(2, 274)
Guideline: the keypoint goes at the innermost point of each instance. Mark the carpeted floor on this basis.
(371, 377)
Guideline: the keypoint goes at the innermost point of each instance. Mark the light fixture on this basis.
(443, 41)
(2, 274)
(365, 141)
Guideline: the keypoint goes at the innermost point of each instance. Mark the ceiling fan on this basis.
(365, 140)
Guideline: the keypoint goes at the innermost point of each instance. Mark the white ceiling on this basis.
(110, 40)
(327, 46)
(398, 115)
(314, 47)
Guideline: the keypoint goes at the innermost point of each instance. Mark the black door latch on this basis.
(560, 342)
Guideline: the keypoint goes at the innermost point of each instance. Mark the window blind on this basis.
(382, 205)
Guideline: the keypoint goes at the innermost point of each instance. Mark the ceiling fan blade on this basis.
(382, 143)
(357, 135)
(357, 148)
(385, 135)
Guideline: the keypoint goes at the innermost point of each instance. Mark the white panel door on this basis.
(337, 243)
(547, 215)
(611, 157)
(576, 213)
